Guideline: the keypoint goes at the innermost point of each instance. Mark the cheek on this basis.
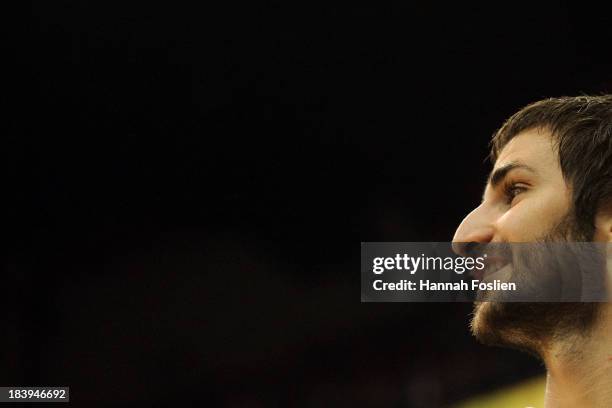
(532, 217)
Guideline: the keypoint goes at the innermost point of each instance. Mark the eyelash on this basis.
(508, 191)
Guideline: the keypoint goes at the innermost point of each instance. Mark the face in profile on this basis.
(526, 200)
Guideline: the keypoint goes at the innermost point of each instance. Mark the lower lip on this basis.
(478, 274)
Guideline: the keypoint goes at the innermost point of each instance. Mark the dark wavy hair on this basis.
(581, 127)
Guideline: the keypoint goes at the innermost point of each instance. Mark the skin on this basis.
(522, 206)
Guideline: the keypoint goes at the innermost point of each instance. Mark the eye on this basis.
(512, 190)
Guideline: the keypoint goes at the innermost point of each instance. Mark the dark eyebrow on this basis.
(498, 175)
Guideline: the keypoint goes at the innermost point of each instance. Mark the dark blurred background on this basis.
(188, 185)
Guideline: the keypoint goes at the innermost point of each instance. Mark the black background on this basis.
(188, 185)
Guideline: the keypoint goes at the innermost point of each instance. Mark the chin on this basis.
(481, 326)
(530, 327)
(510, 325)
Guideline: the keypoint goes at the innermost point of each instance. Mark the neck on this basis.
(580, 367)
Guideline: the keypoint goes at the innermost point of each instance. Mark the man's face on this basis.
(526, 199)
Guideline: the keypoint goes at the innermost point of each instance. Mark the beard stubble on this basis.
(530, 326)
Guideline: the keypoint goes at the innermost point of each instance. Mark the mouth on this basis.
(478, 274)
(495, 268)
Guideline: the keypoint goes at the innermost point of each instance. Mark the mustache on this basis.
(566, 230)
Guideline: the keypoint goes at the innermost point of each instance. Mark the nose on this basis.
(476, 228)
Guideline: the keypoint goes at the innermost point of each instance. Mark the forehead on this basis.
(535, 148)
